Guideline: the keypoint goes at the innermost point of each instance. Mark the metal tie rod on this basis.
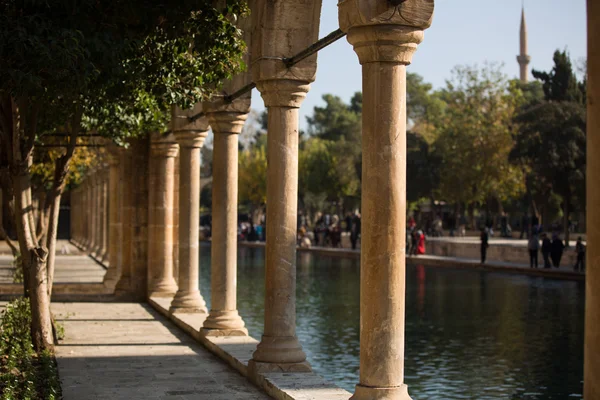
(289, 62)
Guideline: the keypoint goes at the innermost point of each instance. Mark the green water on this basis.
(469, 334)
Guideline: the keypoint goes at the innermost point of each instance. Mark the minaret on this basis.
(523, 58)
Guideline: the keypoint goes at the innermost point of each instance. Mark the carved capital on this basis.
(283, 92)
(191, 139)
(383, 32)
(164, 149)
(163, 145)
(227, 122)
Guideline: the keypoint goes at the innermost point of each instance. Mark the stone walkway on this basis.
(71, 267)
(127, 351)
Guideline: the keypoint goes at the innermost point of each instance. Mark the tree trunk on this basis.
(51, 236)
(566, 213)
(41, 321)
(471, 208)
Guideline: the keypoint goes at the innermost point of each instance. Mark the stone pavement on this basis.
(71, 267)
(128, 351)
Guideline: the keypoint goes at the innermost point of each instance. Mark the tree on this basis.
(111, 66)
(331, 158)
(252, 181)
(551, 139)
(475, 137)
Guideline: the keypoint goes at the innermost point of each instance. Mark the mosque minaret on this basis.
(523, 58)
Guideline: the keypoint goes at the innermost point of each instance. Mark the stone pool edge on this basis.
(237, 351)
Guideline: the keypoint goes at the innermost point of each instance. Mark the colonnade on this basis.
(89, 213)
(122, 227)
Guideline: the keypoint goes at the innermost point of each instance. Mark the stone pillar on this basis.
(190, 137)
(123, 285)
(591, 379)
(281, 29)
(92, 203)
(99, 212)
(226, 121)
(83, 218)
(176, 220)
(384, 38)
(160, 217)
(88, 213)
(105, 212)
(114, 237)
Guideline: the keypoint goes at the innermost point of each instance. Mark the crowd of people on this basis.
(328, 229)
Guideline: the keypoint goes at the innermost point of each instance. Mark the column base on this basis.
(166, 288)
(284, 350)
(388, 393)
(257, 367)
(224, 321)
(123, 286)
(211, 332)
(188, 302)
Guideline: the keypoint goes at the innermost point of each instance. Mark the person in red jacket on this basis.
(420, 243)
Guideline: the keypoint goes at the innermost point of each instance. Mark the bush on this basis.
(23, 373)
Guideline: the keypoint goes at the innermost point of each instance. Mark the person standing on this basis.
(484, 244)
(420, 243)
(533, 246)
(580, 249)
(546, 248)
(556, 251)
(355, 231)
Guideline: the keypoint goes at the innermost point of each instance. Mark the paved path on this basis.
(127, 351)
(74, 267)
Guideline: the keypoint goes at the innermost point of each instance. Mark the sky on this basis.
(464, 32)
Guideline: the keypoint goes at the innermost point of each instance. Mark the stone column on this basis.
(176, 220)
(190, 137)
(99, 212)
(384, 38)
(93, 212)
(88, 211)
(160, 217)
(591, 379)
(123, 285)
(281, 29)
(83, 216)
(226, 121)
(105, 212)
(114, 237)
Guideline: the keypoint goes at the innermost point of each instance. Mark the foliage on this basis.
(551, 140)
(422, 169)
(331, 158)
(24, 374)
(252, 179)
(475, 137)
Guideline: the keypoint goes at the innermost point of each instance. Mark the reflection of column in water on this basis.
(304, 259)
(421, 291)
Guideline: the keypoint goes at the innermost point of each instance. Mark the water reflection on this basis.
(469, 334)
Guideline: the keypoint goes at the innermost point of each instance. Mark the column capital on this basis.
(191, 139)
(227, 121)
(382, 32)
(283, 92)
(164, 146)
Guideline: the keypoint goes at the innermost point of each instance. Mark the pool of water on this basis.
(469, 334)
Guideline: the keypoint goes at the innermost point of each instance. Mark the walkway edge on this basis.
(448, 262)
(237, 351)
